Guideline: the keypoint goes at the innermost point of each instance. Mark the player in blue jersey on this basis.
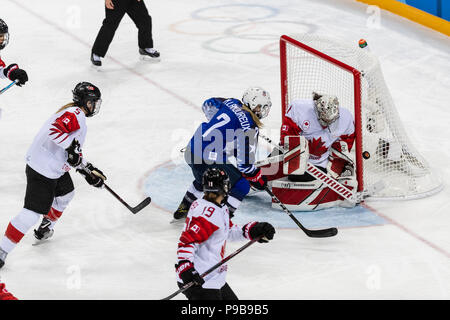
(227, 141)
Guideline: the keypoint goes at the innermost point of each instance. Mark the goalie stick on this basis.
(322, 233)
(135, 209)
(214, 267)
(8, 86)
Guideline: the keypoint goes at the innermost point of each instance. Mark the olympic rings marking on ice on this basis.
(270, 52)
(176, 27)
(197, 14)
(230, 33)
(309, 28)
(241, 28)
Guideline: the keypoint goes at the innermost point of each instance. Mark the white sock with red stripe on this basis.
(53, 215)
(58, 206)
(17, 228)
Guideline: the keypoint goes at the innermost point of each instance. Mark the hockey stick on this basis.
(214, 267)
(135, 209)
(322, 233)
(8, 86)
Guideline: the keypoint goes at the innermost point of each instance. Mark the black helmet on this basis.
(85, 92)
(4, 31)
(216, 180)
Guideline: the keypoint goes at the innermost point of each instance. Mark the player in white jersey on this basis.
(12, 71)
(55, 149)
(202, 243)
(330, 134)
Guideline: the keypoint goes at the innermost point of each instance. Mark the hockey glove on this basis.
(257, 180)
(253, 230)
(186, 271)
(74, 154)
(93, 176)
(12, 72)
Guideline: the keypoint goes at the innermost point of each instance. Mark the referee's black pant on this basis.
(137, 11)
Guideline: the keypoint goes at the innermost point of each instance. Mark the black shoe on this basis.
(44, 232)
(152, 53)
(96, 63)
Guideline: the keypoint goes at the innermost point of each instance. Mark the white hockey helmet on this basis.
(326, 107)
(257, 97)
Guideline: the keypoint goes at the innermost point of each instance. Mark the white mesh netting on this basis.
(393, 159)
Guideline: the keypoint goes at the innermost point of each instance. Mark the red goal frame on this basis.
(357, 94)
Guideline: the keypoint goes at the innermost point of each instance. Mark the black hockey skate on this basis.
(95, 62)
(44, 232)
(3, 255)
(182, 210)
(149, 54)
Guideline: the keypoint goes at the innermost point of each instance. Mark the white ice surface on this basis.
(211, 48)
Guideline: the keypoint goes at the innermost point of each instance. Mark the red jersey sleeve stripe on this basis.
(67, 122)
(199, 230)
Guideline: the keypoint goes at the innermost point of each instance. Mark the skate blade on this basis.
(177, 221)
(39, 242)
(96, 68)
(149, 59)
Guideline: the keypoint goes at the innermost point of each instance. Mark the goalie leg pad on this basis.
(296, 155)
(309, 196)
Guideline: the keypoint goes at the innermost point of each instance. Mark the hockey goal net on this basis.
(382, 150)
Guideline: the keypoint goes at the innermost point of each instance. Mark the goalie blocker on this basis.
(288, 176)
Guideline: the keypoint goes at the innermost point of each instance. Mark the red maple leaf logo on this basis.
(317, 148)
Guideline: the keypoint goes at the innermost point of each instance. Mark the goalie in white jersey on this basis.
(202, 243)
(55, 149)
(328, 131)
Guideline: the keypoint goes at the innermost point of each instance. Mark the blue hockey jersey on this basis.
(230, 132)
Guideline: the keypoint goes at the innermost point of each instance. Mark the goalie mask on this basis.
(326, 107)
(4, 34)
(258, 100)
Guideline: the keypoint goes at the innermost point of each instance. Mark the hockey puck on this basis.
(362, 43)
(366, 155)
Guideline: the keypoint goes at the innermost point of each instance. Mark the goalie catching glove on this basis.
(93, 175)
(186, 271)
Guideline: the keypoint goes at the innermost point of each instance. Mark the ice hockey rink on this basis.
(100, 250)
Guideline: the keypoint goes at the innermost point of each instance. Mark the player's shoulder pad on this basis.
(206, 209)
(70, 120)
(214, 101)
(299, 106)
(346, 116)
